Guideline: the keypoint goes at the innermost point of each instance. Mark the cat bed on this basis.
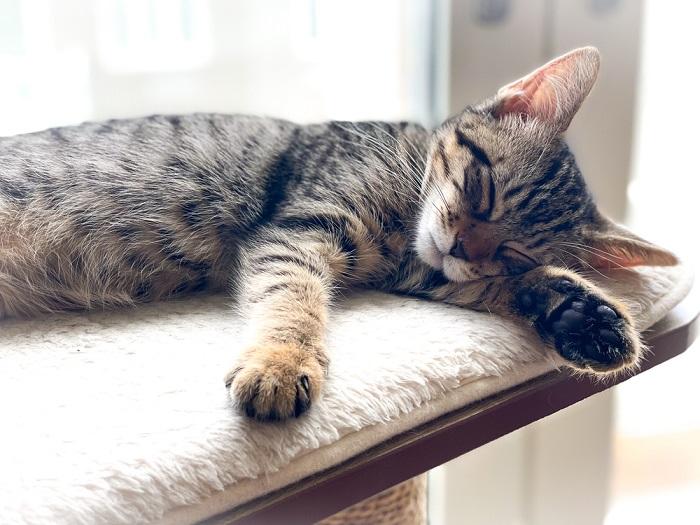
(122, 417)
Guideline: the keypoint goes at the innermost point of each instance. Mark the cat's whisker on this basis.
(434, 185)
(589, 247)
(382, 147)
(410, 172)
(565, 265)
(379, 152)
(584, 262)
(411, 158)
(398, 143)
(598, 253)
(411, 166)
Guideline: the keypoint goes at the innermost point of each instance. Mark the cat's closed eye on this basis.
(516, 258)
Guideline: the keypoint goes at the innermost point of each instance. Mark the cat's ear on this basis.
(554, 92)
(617, 247)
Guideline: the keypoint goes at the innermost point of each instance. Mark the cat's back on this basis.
(145, 144)
(136, 208)
(142, 169)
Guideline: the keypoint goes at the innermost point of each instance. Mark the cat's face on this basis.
(502, 192)
(499, 197)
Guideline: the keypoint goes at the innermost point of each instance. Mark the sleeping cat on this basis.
(488, 211)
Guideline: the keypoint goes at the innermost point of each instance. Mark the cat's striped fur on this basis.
(489, 211)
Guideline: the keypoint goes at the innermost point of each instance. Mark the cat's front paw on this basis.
(275, 381)
(590, 332)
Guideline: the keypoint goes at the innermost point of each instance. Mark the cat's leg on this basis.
(587, 327)
(284, 289)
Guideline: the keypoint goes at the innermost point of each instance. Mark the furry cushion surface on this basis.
(122, 416)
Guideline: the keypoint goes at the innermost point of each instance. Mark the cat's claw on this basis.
(275, 382)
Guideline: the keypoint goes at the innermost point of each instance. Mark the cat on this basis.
(488, 211)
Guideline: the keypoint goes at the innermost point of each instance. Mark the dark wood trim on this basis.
(449, 436)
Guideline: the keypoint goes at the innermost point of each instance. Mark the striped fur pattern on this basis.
(489, 211)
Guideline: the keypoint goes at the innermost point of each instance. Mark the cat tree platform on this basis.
(122, 417)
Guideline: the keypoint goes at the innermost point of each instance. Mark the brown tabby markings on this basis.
(489, 211)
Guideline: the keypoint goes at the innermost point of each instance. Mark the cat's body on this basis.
(488, 211)
(152, 207)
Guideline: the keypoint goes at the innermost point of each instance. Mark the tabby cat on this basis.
(488, 211)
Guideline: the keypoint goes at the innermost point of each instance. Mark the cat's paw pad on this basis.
(275, 382)
(592, 334)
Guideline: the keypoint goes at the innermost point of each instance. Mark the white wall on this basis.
(306, 60)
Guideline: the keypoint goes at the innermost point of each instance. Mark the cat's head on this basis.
(502, 192)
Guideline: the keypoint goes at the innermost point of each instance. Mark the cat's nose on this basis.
(475, 243)
(458, 250)
(471, 253)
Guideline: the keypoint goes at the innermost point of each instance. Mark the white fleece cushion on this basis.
(122, 417)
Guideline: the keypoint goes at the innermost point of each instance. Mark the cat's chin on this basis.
(457, 271)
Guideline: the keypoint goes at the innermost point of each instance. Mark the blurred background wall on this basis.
(627, 456)
(305, 60)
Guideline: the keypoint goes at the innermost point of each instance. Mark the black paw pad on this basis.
(564, 285)
(586, 330)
